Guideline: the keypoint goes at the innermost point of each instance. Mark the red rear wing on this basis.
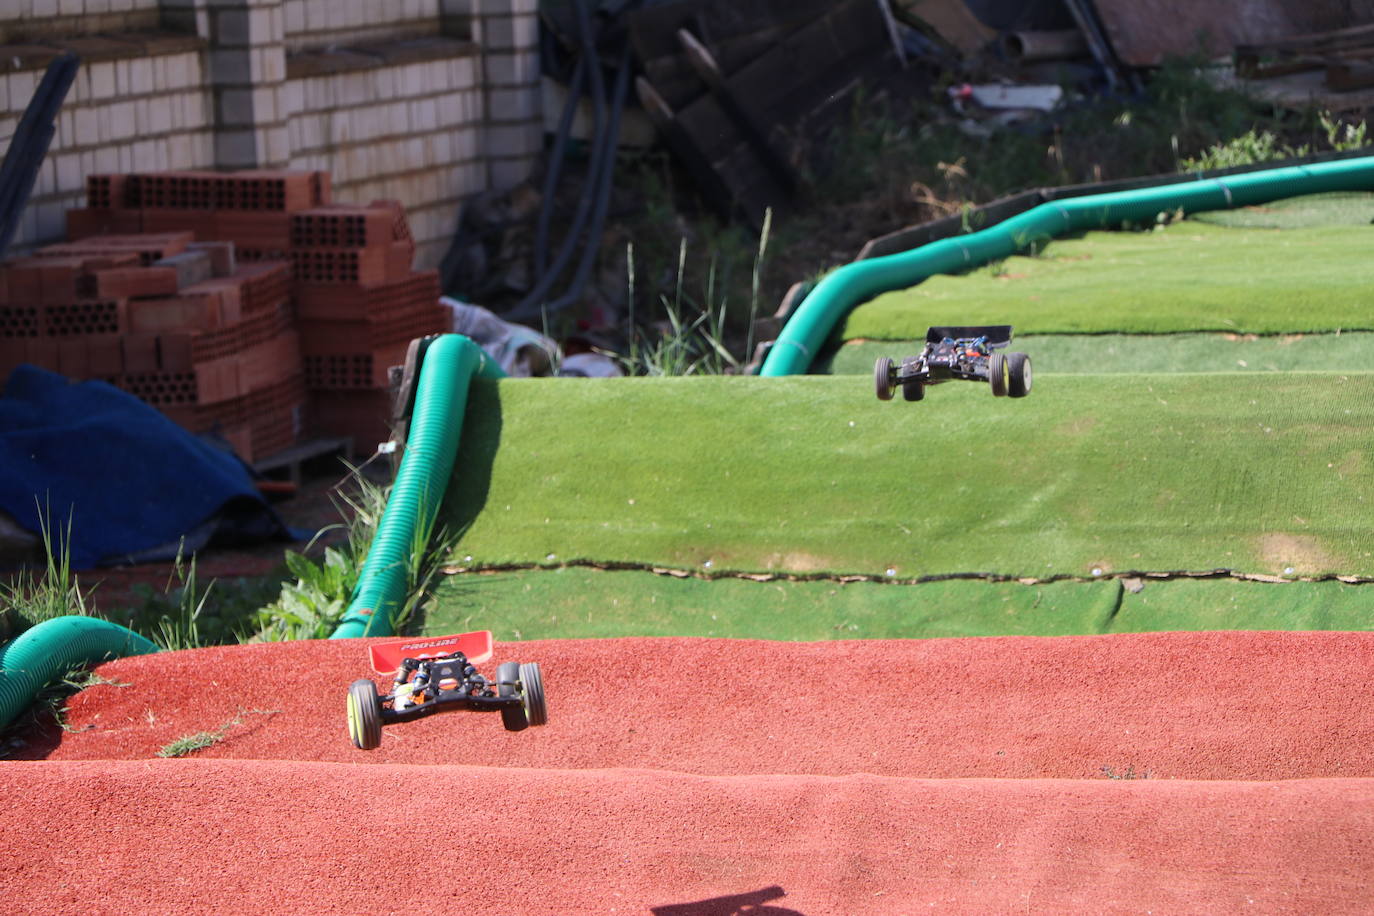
(387, 656)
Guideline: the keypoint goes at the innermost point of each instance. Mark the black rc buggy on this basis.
(436, 675)
(970, 354)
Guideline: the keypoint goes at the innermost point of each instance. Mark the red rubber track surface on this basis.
(682, 777)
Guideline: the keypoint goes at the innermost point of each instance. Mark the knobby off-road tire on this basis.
(1018, 375)
(507, 678)
(913, 389)
(364, 714)
(997, 374)
(532, 689)
(882, 378)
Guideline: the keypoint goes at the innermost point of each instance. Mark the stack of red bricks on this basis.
(358, 305)
(239, 302)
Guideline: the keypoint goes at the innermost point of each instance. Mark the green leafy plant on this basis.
(313, 606)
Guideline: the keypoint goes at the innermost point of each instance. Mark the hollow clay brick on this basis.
(140, 353)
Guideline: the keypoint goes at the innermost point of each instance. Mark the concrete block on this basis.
(102, 74)
(463, 72)
(265, 26)
(498, 33)
(180, 151)
(276, 146)
(22, 84)
(123, 85)
(293, 12)
(159, 117)
(68, 167)
(71, 7)
(141, 76)
(237, 149)
(232, 27)
(121, 118)
(234, 107)
(195, 110)
(179, 70)
(266, 110)
(229, 66)
(107, 159)
(293, 98)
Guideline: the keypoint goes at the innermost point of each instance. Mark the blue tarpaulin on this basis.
(131, 483)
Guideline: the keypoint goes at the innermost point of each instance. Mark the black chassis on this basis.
(955, 353)
(440, 685)
(963, 353)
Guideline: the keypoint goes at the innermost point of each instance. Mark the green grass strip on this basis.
(1256, 473)
(1338, 209)
(1145, 353)
(1188, 276)
(581, 603)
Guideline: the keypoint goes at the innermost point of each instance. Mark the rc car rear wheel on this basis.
(532, 688)
(507, 680)
(997, 374)
(882, 378)
(913, 387)
(364, 714)
(1018, 375)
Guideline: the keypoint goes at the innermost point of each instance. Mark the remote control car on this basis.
(957, 353)
(436, 675)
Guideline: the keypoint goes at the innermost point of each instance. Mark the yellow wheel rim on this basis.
(354, 727)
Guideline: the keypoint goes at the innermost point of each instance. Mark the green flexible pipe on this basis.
(48, 651)
(441, 394)
(839, 292)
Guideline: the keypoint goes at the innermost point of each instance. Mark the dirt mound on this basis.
(278, 836)
(690, 777)
(1225, 705)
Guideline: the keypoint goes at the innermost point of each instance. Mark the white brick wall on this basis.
(318, 23)
(409, 132)
(137, 114)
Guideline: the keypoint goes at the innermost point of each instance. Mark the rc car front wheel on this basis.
(507, 683)
(882, 378)
(532, 689)
(1018, 375)
(913, 388)
(364, 714)
(997, 374)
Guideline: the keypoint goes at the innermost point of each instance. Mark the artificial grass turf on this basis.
(1341, 208)
(1259, 474)
(585, 603)
(1144, 353)
(1187, 276)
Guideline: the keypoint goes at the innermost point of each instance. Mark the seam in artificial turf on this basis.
(677, 573)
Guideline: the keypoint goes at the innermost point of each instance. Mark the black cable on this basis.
(29, 146)
(529, 305)
(605, 181)
(555, 169)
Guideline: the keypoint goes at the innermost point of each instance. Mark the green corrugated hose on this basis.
(48, 651)
(839, 292)
(441, 394)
